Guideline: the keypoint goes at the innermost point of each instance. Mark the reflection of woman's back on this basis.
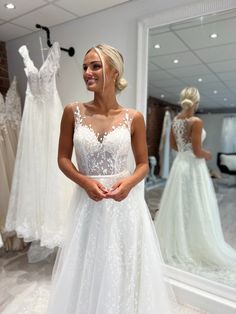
(188, 223)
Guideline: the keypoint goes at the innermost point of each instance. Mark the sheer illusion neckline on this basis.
(102, 136)
(38, 69)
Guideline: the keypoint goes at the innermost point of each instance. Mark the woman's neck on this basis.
(187, 113)
(105, 103)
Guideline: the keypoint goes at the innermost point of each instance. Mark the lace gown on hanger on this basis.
(188, 223)
(4, 189)
(110, 262)
(13, 114)
(38, 201)
(10, 123)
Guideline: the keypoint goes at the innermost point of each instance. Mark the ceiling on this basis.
(21, 20)
(212, 60)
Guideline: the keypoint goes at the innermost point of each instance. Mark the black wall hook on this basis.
(71, 50)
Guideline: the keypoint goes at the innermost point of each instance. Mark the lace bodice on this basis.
(105, 152)
(41, 81)
(181, 130)
(10, 108)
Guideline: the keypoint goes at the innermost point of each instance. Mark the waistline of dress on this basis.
(122, 174)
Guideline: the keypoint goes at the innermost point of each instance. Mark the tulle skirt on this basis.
(110, 262)
(188, 222)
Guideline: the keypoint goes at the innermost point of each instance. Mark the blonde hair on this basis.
(189, 96)
(116, 60)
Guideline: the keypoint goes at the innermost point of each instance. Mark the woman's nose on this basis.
(88, 70)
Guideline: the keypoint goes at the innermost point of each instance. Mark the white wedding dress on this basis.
(10, 116)
(39, 194)
(110, 262)
(188, 222)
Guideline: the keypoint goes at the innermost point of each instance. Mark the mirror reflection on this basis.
(190, 189)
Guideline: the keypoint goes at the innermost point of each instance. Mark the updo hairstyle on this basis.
(189, 96)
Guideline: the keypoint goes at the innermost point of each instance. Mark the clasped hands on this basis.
(117, 192)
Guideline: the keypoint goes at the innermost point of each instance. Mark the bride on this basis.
(110, 262)
(188, 223)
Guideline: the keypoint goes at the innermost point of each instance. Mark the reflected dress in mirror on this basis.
(188, 222)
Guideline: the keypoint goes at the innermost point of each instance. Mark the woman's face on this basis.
(93, 72)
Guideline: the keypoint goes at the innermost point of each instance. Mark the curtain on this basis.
(228, 135)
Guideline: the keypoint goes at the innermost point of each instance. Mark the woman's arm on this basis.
(121, 189)
(173, 144)
(199, 152)
(94, 189)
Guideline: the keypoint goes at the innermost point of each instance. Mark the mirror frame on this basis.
(219, 296)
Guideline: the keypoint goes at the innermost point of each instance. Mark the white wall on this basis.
(116, 26)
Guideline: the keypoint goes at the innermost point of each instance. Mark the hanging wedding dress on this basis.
(188, 223)
(11, 116)
(4, 189)
(38, 199)
(164, 149)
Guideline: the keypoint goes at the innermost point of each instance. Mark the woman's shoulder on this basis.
(73, 105)
(134, 114)
(196, 120)
(196, 123)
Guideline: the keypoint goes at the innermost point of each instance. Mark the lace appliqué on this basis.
(102, 153)
(180, 128)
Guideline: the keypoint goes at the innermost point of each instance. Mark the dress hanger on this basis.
(70, 51)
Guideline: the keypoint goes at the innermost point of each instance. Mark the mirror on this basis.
(198, 52)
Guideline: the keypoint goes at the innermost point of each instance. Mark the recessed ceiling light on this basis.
(199, 79)
(10, 6)
(215, 91)
(162, 96)
(225, 99)
(175, 61)
(213, 36)
(157, 46)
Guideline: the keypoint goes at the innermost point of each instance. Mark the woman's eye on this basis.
(85, 68)
(96, 66)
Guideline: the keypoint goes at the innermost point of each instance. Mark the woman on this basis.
(188, 208)
(110, 262)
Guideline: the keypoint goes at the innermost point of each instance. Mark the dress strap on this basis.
(128, 117)
(77, 114)
(23, 50)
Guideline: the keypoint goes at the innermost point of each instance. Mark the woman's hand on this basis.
(119, 190)
(95, 190)
(208, 155)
